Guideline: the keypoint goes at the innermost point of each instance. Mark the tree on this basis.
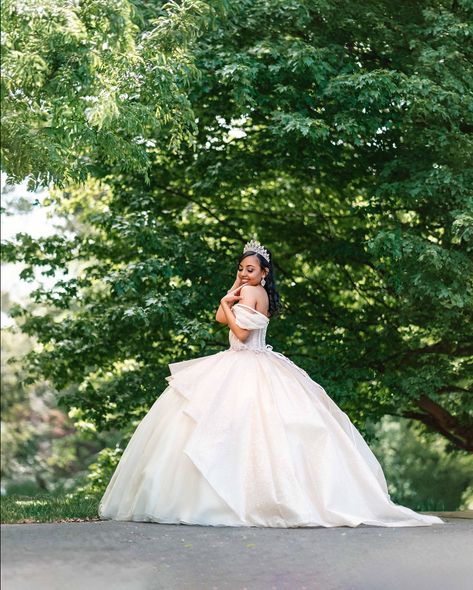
(420, 473)
(94, 82)
(43, 449)
(341, 133)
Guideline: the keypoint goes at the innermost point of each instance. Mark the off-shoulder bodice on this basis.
(250, 319)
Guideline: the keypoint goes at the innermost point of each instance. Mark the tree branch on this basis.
(439, 419)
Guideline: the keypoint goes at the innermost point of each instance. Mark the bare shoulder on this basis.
(249, 289)
(262, 304)
(249, 294)
(256, 297)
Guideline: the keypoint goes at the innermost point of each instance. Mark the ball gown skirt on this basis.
(245, 437)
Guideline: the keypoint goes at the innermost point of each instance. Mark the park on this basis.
(143, 145)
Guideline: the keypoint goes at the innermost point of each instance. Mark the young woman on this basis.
(245, 437)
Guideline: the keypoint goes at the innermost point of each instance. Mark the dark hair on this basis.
(270, 284)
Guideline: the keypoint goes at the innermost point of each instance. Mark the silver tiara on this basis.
(255, 246)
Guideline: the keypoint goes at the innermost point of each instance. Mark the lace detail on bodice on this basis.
(253, 320)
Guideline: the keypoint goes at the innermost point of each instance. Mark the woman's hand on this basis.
(232, 296)
(237, 283)
(229, 299)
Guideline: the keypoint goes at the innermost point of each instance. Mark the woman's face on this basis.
(250, 271)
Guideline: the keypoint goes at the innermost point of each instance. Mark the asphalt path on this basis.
(114, 555)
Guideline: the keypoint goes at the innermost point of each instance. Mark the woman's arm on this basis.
(226, 302)
(220, 315)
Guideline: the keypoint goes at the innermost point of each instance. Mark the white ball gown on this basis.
(245, 437)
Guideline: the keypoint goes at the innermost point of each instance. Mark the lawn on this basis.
(47, 508)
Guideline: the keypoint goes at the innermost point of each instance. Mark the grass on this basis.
(19, 509)
(48, 508)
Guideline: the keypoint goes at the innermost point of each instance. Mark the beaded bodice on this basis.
(253, 320)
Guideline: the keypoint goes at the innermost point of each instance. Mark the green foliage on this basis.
(341, 134)
(43, 449)
(99, 473)
(93, 83)
(419, 471)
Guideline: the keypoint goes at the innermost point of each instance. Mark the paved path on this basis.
(146, 556)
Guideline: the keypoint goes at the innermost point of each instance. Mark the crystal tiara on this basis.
(255, 246)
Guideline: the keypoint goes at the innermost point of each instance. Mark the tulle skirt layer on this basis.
(241, 438)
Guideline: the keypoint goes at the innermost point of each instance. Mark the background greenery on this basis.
(340, 132)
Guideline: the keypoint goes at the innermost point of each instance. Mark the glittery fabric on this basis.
(245, 437)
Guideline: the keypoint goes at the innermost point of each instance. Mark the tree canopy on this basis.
(94, 82)
(340, 133)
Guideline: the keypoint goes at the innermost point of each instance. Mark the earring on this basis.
(262, 282)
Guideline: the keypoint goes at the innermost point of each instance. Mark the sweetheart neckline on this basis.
(253, 309)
